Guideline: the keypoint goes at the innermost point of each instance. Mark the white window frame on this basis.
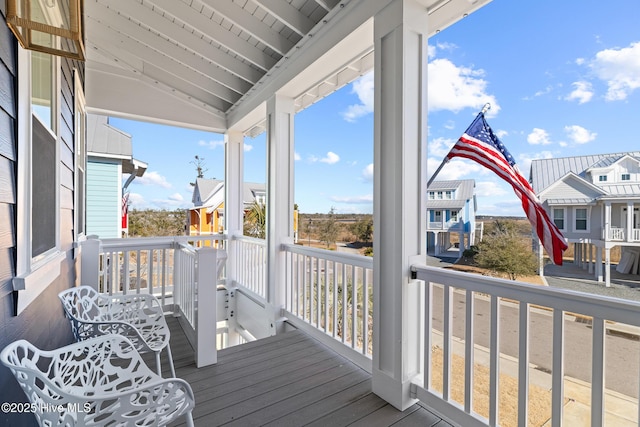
(80, 136)
(33, 274)
(625, 177)
(564, 217)
(602, 178)
(575, 218)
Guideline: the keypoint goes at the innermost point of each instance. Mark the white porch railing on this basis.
(616, 233)
(445, 225)
(332, 291)
(250, 256)
(636, 235)
(456, 304)
(172, 269)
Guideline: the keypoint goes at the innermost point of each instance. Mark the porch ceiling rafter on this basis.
(288, 15)
(218, 34)
(252, 25)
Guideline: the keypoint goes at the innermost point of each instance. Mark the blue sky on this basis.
(563, 79)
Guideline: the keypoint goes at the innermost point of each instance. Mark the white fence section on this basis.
(511, 313)
(332, 291)
(636, 234)
(250, 257)
(616, 233)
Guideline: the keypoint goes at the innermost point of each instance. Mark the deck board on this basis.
(287, 380)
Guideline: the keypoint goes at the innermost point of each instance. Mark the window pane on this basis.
(43, 192)
(41, 87)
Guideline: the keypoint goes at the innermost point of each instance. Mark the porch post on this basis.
(607, 221)
(280, 158)
(233, 210)
(599, 264)
(607, 266)
(629, 232)
(400, 184)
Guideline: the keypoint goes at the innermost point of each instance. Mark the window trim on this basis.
(33, 274)
(80, 112)
(575, 218)
(564, 217)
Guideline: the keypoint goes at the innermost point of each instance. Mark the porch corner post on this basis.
(400, 185)
(233, 210)
(280, 194)
(90, 262)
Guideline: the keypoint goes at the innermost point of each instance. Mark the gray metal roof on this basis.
(463, 192)
(545, 172)
(207, 187)
(105, 140)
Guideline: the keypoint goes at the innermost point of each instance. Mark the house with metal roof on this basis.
(451, 211)
(207, 214)
(594, 201)
(109, 157)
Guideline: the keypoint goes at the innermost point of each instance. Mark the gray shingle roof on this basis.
(464, 191)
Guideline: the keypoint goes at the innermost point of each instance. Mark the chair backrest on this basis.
(81, 303)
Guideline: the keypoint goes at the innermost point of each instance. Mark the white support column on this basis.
(280, 159)
(599, 264)
(590, 257)
(607, 221)
(400, 101)
(233, 210)
(629, 232)
(607, 267)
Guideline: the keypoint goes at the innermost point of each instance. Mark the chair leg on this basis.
(158, 367)
(189, 417)
(173, 370)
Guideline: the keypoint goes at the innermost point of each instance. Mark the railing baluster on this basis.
(344, 303)
(523, 365)
(557, 376)
(365, 313)
(335, 300)
(494, 362)
(354, 308)
(428, 331)
(447, 318)
(468, 351)
(597, 373)
(326, 295)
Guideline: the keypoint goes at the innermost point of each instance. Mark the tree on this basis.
(255, 221)
(363, 229)
(149, 223)
(505, 251)
(329, 229)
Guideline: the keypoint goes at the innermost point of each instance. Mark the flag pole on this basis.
(446, 159)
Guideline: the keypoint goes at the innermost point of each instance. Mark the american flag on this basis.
(481, 145)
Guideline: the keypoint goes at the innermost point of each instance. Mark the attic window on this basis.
(602, 178)
(626, 177)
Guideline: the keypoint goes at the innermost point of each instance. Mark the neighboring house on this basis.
(594, 201)
(207, 214)
(451, 211)
(109, 157)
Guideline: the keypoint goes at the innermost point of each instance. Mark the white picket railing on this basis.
(332, 291)
(636, 234)
(250, 256)
(616, 233)
(450, 294)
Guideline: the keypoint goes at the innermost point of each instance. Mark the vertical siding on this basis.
(42, 323)
(103, 198)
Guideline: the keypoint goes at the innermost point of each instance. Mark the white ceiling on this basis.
(211, 64)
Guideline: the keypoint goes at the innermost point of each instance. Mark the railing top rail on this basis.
(599, 306)
(249, 239)
(159, 242)
(342, 257)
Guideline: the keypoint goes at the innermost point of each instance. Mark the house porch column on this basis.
(233, 208)
(607, 221)
(599, 264)
(607, 267)
(400, 111)
(629, 232)
(280, 158)
(590, 257)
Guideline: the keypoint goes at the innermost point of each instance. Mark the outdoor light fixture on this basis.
(49, 26)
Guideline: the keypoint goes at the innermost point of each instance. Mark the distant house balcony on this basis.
(454, 226)
(492, 352)
(621, 234)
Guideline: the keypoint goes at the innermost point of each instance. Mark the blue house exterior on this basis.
(451, 216)
(110, 156)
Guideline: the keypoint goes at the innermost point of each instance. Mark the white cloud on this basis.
(247, 147)
(152, 178)
(367, 173)
(365, 199)
(620, 69)
(579, 135)
(331, 158)
(455, 88)
(582, 92)
(363, 88)
(456, 169)
(296, 156)
(538, 137)
(489, 189)
(137, 201)
(212, 145)
(524, 160)
(176, 197)
(440, 147)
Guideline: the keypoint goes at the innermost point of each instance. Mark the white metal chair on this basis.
(138, 317)
(101, 381)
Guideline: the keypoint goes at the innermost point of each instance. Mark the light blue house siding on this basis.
(103, 198)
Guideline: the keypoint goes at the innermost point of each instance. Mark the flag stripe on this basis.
(480, 144)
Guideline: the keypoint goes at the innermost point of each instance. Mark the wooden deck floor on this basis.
(286, 380)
